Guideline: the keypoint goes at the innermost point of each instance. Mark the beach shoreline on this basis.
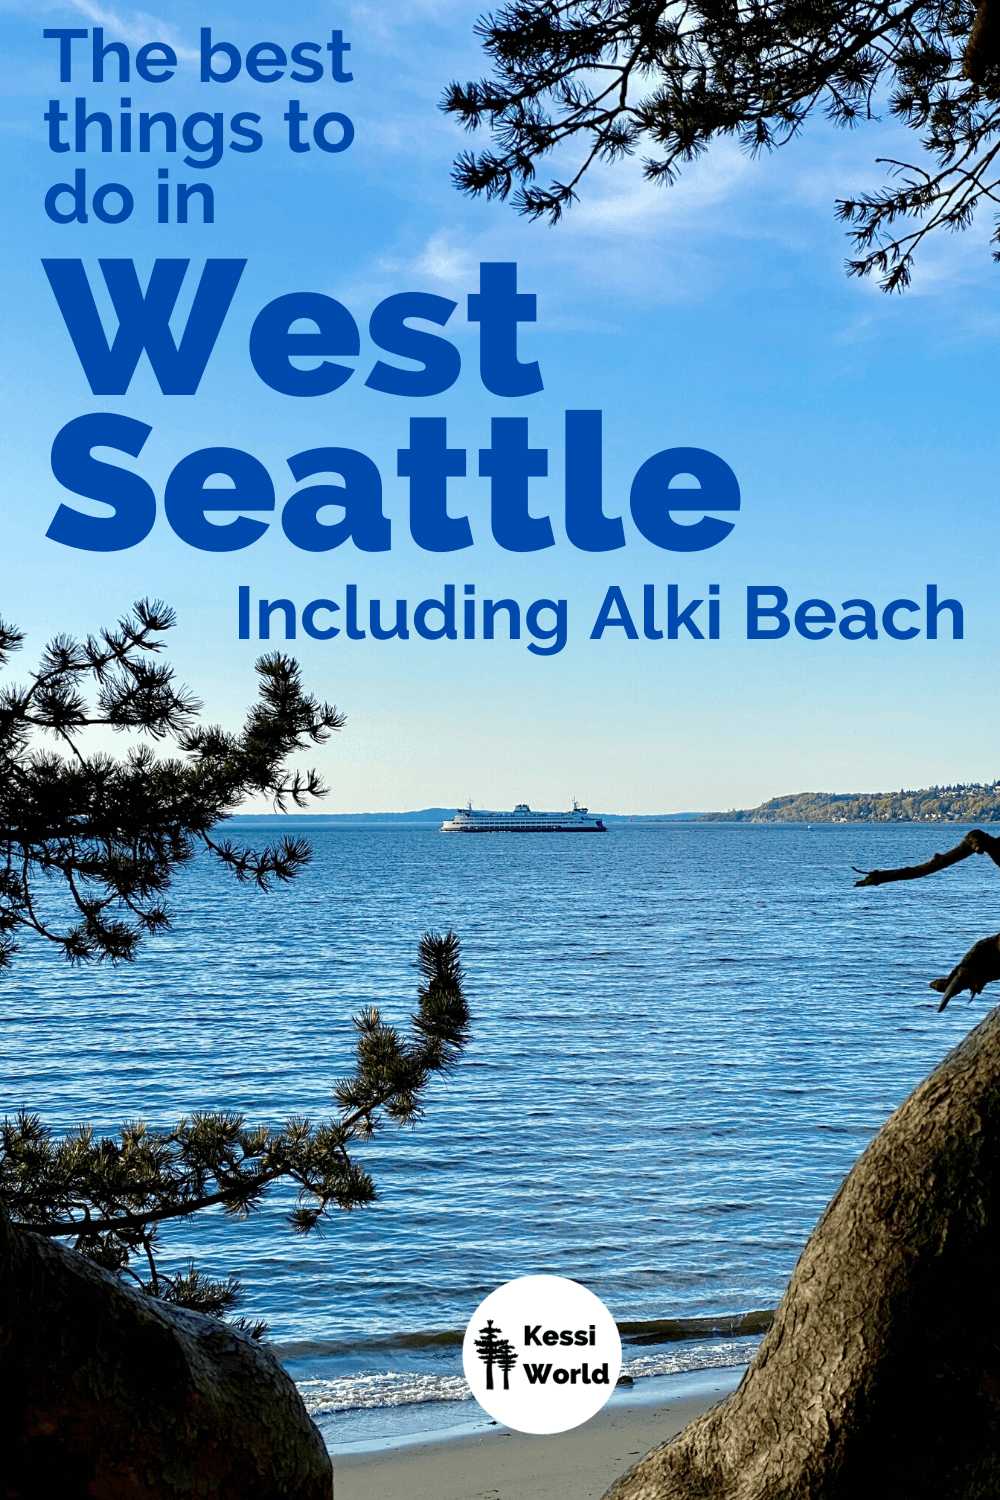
(495, 1463)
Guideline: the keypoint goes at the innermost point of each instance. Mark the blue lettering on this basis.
(814, 618)
(186, 499)
(440, 359)
(272, 343)
(586, 524)
(510, 463)
(130, 497)
(360, 496)
(144, 321)
(755, 611)
(614, 599)
(429, 463)
(498, 308)
(652, 500)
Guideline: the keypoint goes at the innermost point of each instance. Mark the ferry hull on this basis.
(530, 828)
(522, 820)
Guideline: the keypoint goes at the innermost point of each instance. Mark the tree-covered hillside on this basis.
(968, 802)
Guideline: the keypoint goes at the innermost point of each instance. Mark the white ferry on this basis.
(522, 820)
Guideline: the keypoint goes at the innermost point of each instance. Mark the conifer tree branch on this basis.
(617, 76)
(110, 1195)
(117, 829)
(114, 831)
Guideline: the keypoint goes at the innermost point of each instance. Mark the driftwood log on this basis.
(109, 1394)
(880, 1375)
(981, 965)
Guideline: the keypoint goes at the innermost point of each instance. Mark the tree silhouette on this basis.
(506, 1358)
(114, 832)
(109, 1196)
(607, 78)
(981, 965)
(488, 1347)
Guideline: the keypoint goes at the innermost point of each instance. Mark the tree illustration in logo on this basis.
(506, 1358)
(489, 1347)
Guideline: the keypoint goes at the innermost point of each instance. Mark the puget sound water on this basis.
(683, 1037)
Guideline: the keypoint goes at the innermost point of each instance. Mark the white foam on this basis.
(719, 1355)
(390, 1388)
(360, 1392)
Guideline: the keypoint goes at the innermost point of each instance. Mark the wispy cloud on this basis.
(618, 200)
(140, 29)
(385, 22)
(444, 259)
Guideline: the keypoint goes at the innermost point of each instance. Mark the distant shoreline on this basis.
(422, 818)
(964, 803)
(435, 816)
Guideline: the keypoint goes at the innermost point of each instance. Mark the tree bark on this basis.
(982, 51)
(881, 1372)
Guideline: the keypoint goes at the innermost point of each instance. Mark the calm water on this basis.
(684, 1035)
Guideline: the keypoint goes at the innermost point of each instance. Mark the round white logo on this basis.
(542, 1354)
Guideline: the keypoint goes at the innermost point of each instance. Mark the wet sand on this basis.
(504, 1465)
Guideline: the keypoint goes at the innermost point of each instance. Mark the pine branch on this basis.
(116, 830)
(110, 1195)
(606, 78)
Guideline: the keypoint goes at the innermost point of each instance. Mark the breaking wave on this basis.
(387, 1389)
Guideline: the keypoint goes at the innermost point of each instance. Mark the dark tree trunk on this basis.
(881, 1372)
(982, 52)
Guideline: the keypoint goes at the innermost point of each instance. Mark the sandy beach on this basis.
(504, 1465)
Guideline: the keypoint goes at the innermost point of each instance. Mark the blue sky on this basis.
(715, 314)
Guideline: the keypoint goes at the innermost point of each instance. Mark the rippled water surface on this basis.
(684, 1035)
